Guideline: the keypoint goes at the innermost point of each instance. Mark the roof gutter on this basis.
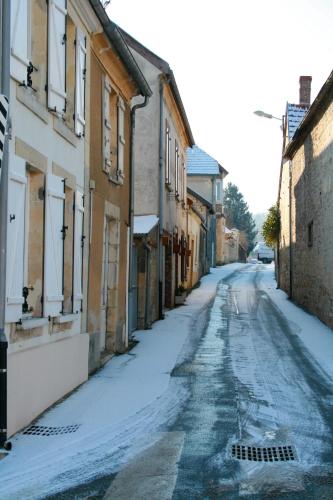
(176, 94)
(118, 41)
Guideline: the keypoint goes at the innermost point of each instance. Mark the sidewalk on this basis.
(116, 414)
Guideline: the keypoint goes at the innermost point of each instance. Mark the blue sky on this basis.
(229, 59)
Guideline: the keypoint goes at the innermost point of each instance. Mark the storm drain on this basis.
(42, 430)
(263, 454)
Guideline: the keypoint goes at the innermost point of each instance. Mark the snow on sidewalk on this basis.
(118, 410)
(317, 337)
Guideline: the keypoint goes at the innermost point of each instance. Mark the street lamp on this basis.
(266, 115)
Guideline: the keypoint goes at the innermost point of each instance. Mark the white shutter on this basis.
(121, 136)
(80, 57)
(53, 251)
(15, 238)
(20, 20)
(57, 55)
(78, 252)
(106, 125)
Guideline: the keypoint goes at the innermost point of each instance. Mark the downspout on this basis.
(161, 191)
(5, 89)
(131, 213)
(147, 282)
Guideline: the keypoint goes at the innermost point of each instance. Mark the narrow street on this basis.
(240, 406)
(252, 383)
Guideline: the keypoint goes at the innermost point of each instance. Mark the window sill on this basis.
(65, 132)
(65, 318)
(27, 97)
(117, 181)
(30, 323)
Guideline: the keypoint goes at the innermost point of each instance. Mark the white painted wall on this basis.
(37, 377)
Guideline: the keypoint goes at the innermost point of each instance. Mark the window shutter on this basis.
(57, 55)
(15, 238)
(20, 18)
(53, 252)
(121, 137)
(80, 56)
(78, 252)
(106, 125)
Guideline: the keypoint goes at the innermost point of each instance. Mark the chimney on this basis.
(305, 90)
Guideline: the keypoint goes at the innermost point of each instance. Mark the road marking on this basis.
(235, 302)
(152, 474)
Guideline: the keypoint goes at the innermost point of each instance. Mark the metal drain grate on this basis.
(265, 454)
(42, 430)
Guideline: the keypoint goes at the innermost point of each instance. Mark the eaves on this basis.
(318, 106)
(116, 38)
(165, 69)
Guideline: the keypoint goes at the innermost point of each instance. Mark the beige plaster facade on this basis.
(162, 136)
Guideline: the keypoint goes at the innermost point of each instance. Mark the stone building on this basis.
(306, 205)
(201, 225)
(205, 177)
(293, 117)
(115, 79)
(162, 136)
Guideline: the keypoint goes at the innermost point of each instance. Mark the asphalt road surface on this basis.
(259, 419)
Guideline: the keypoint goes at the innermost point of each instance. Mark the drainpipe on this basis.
(5, 89)
(147, 282)
(161, 192)
(131, 213)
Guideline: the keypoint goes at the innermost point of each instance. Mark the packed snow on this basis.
(123, 407)
(119, 410)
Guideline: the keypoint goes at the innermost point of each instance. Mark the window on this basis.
(106, 107)
(167, 153)
(184, 180)
(80, 78)
(176, 169)
(218, 191)
(56, 86)
(17, 188)
(33, 279)
(310, 234)
(121, 138)
(20, 39)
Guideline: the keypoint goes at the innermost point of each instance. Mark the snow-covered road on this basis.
(120, 410)
(256, 385)
(247, 368)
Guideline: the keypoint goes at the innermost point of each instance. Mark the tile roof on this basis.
(201, 163)
(295, 115)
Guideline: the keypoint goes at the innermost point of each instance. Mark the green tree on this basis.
(271, 226)
(237, 214)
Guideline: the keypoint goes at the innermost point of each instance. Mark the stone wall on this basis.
(312, 217)
(284, 243)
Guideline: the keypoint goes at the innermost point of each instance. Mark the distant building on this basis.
(205, 177)
(162, 136)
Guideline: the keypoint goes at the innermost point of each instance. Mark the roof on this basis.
(308, 121)
(295, 114)
(201, 163)
(200, 198)
(143, 224)
(115, 36)
(164, 67)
